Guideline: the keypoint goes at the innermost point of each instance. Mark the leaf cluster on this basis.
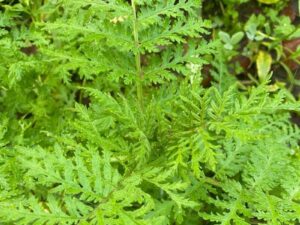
(105, 120)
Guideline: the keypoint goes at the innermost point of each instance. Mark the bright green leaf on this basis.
(263, 64)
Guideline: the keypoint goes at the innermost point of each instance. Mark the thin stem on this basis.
(212, 181)
(139, 83)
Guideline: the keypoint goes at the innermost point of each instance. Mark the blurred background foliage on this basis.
(260, 37)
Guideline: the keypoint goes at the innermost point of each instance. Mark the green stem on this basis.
(212, 181)
(139, 83)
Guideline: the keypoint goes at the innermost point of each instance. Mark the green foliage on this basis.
(104, 120)
(270, 26)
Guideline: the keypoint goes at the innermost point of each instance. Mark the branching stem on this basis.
(139, 83)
